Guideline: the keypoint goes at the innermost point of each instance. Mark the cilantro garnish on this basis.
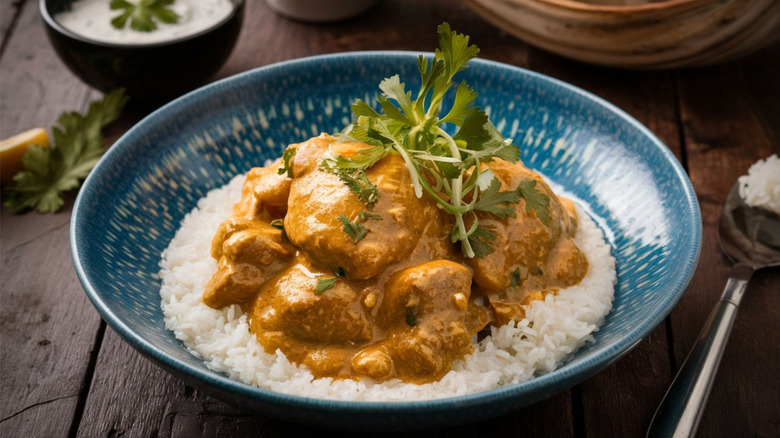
(516, 277)
(142, 15)
(411, 318)
(78, 145)
(449, 168)
(358, 182)
(324, 284)
(355, 229)
(288, 155)
(535, 200)
(350, 171)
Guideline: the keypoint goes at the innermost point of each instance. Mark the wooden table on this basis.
(65, 373)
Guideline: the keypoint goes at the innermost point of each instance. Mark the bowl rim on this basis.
(534, 388)
(578, 6)
(53, 24)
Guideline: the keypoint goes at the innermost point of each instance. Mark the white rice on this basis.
(760, 188)
(552, 330)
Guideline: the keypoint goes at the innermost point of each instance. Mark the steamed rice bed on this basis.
(551, 331)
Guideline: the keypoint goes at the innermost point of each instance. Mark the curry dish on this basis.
(399, 300)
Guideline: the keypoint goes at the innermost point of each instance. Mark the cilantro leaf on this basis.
(324, 284)
(535, 200)
(478, 134)
(355, 229)
(143, 14)
(358, 183)
(287, 168)
(77, 147)
(454, 50)
(497, 203)
(464, 97)
(480, 241)
(393, 88)
(349, 170)
(516, 277)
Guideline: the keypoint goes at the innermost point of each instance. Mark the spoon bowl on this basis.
(749, 235)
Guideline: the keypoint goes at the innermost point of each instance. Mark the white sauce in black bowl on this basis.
(92, 19)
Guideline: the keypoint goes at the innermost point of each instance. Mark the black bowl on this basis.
(149, 72)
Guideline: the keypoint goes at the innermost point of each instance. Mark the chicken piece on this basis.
(249, 254)
(291, 305)
(523, 243)
(531, 258)
(264, 194)
(375, 362)
(429, 322)
(320, 201)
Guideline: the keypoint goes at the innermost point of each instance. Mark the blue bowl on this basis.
(131, 205)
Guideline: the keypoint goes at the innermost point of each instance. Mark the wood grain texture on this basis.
(36, 84)
(389, 25)
(48, 331)
(47, 326)
(730, 120)
(8, 15)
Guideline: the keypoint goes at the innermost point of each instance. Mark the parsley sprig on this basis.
(142, 15)
(450, 168)
(78, 145)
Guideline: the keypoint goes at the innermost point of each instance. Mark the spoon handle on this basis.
(681, 409)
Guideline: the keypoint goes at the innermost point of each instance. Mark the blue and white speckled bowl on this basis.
(132, 203)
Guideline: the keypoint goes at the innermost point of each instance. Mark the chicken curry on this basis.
(384, 292)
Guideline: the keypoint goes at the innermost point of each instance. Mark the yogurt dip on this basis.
(92, 19)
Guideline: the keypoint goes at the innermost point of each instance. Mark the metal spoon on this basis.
(750, 237)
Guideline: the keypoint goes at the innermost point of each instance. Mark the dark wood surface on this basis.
(64, 373)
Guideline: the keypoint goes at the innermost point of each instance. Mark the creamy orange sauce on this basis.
(408, 303)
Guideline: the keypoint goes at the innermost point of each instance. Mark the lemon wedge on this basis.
(13, 149)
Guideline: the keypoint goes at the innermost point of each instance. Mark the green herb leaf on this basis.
(278, 224)
(481, 240)
(324, 284)
(358, 182)
(535, 200)
(516, 277)
(497, 203)
(411, 318)
(355, 229)
(77, 147)
(351, 173)
(288, 155)
(461, 107)
(143, 14)
(395, 89)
